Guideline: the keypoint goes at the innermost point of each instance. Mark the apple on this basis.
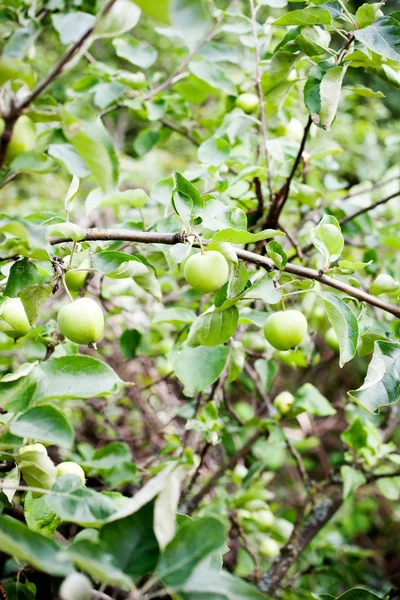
(332, 340)
(383, 284)
(75, 280)
(71, 468)
(82, 321)
(14, 315)
(285, 329)
(244, 411)
(206, 272)
(269, 547)
(295, 129)
(247, 102)
(23, 138)
(33, 448)
(283, 402)
(263, 518)
(76, 587)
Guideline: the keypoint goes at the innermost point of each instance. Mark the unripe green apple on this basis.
(247, 102)
(71, 468)
(23, 138)
(269, 547)
(33, 448)
(283, 402)
(383, 284)
(82, 321)
(285, 329)
(254, 505)
(206, 272)
(240, 471)
(332, 340)
(264, 518)
(76, 279)
(14, 314)
(76, 587)
(295, 129)
(244, 411)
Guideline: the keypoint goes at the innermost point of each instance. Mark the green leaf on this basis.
(305, 16)
(71, 26)
(39, 516)
(277, 254)
(358, 594)
(214, 151)
(214, 75)
(74, 503)
(219, 585)
(235, 236)
(134, 198)
(132, 542)
(15, 69)
(192, 543)
(109, 456)
(356, 436)
(309, 399)
(382, 37)
(381, 386)
(15, 396)
(38, 469)
(213, 327)
(97, 562)
(175, 315)
(76, 377)
(129, 341)
(122, 17)
(197, 368)
(366, 15)
(139, 54)
(344, 324)
(191, 18)
(31, 547)
(118, 265)
(44, 423)
(329, 91)
(328, 239)
(22, 273)
(85, 131)
(69, 157)
(158, 9)
(352, 479)
(33, 298)
(66, 230)
(34, 162)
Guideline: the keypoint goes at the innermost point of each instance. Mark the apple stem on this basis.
(66, 288)
(282, 304)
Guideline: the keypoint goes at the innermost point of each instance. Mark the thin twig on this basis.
(292, 240)
(180, 130)
(197, 472)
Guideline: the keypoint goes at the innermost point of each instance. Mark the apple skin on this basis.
(247, 102)
(76, 280)
(14, 314)
(76, 587)
(71, 468)
(332, 340)
(383, 284)
(206, 272)
(23, 138)
(283, 402)
(285, 329)
(82, 321)
(269, 547)
(33, 448)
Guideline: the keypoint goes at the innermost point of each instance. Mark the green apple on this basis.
(33, 448)
(295, 129)
(206, 272)
(71, 468)
(82, 321)
(244, 411)
(240, 472)
(76, 587)
(332, 340)
(75, 280)
(264, 519)
(23, 138)
(14, 315)
(247, 102)
(269, 547)
(285, 329)
(283, 402)
(383, 284)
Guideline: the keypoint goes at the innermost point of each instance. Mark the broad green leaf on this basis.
(219, 585)
(381, 385)
(72, 26)
(38, 470)
(277, 69)
(76, 376)
(358, 594)
(352, 479)
(382, 37)
(175, 315)
(157, 9)
(44, 423)
(305, 16)
(214, 75)
(192, 543)
(197, 368)
(34, 162)
(277, 254)
(328, 239)
(344, 324)
(214, 151)
(213, 327)
(216, 215)
(85, 131)
(70, 158)
(166, 506)
(308, 398)
(74, 503)
(39, 516)
(132, 542)
(129, 341)
(33, 298)
(109, 456)
(191, 18)
(22, 273)
(97, 562)
(356, 435)
(118, 265)
(31, 547)
(10, 483)
(363, 91)
(136, 198)
(234, 236)
(122, 17)
(186, 198)
(366, 15)
(15, 396)
(11, 68)
(139, 54)
(66, 230)
(329, 91)
(313, 40)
